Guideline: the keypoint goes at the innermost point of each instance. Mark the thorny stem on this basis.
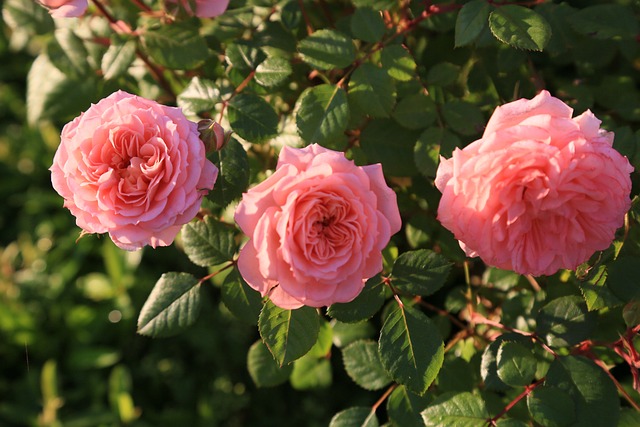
(236, 91)
(215, 273)
(141, 5)
(104, 11)
(383, 397)
(156, 73)
(153, 70)
(527, 390)
(469, 293)
(402, 29)
(479, 318)
(441, 312)
(621, 389)
(533, 282)
(305, 16)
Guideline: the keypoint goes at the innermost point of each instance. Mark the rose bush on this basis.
(133, 168)
(204, 8)
(540, 191)
(317, 227)
(65, 8)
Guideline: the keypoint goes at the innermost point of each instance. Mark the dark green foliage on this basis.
(435, 339)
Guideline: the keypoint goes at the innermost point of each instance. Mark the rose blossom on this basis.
(316, 228)
(65, 8)
(540, 191)
(204, 8)
(133, 168)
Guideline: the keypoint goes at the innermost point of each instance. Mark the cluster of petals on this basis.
(204, 8)
(316, 228)
(133, 168)
(76, 8)
(65, 8)
(539, 192)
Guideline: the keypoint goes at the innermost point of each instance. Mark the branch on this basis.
(527, 390)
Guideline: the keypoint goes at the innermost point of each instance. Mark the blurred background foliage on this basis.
(69, 353)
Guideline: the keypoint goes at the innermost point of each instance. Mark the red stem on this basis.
(527, 390)
(215, 273)
(383, 397)
(141, 5)
(305, 16)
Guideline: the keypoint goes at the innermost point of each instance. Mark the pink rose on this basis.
(317, 227)
(540, 191)
(65, 8)
(204, 8)
(133, 168)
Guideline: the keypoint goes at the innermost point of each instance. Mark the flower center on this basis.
(321, 226)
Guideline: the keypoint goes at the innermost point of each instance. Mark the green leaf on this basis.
(178, 46)
(422, 272)
(241, 300)
(502, 279)
(562, 36)
(48, 92)
(443, 74)
(565, 321)
(20, 15)
(398, 62)
(355, 417)
(347, 333)
(68, 53)
(172, 306)
(416, 111)
(404, 408)
(372, 90)
(364, 306)
(426, 153)
(200, 95)
(263, 368)
(631, 314)
(367, 24)
(310, 372)
(605, 21)
(629, 417)
(511, 422)
(463, 117)
(376, 4)
(596, 292)
(516, 364)
(489, 361)
(291, 15)
(323, 113)
(363, 365)
(456, 375)
(396, 157)
(273, 71)
(208, 242)
(289, 334)
(520, 27)
(233, 174)
(244, 55)
(471, 20)
(456, 410)
(411, 349)
(252, 118)
(551, 407)
(594, 395)
(327, 49)
(622, 278)
(118, 58)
